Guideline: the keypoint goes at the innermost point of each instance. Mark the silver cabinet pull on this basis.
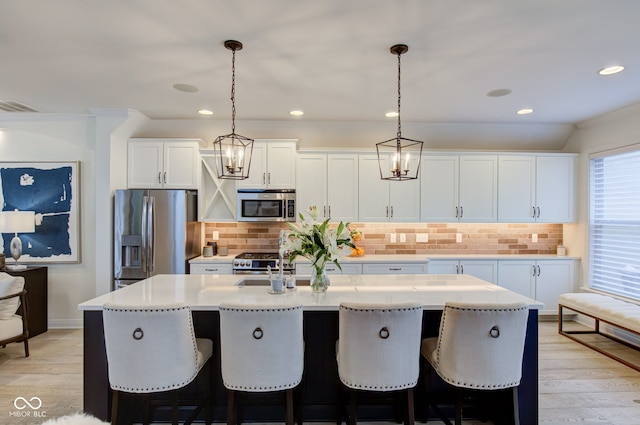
(387, 214)
(538, 208)
(395, 269)
(533, 270)
(534, 212)
(159, 177)
(210, 270)
(324, 211)
(269, 179)
(538, 270)
(329, 211)
(457, 269)
(391, 211)
(264, 178)
(456, 212)
(461, 269)
(461, 211)
(164, 177)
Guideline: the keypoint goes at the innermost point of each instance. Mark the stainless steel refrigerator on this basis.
(155, 232)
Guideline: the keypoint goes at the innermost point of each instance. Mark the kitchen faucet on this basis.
(281, 238)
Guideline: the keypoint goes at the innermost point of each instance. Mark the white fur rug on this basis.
(75, 419)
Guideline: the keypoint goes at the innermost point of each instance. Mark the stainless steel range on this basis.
(257, 262)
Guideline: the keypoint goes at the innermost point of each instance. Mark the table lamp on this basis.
(17, 222)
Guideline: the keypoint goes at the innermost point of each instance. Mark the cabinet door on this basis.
(181, 165)
(555, 190)
(439, 188)
(478, 188)
(517, 276)
(347, 268)
(392, 268)
(373, 203)
(516, 189)
(258, 171)
(281, 165)
(404, 200)
(444, 267)
(482, 269)
(145, 164)
(311, 182)
(553, 277)
(342, 187)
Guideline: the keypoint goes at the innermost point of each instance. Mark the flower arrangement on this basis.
(318, 242)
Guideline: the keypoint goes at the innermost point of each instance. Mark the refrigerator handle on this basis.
(152, 233)
(145, 237)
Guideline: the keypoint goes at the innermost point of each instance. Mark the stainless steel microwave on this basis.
(266, 205)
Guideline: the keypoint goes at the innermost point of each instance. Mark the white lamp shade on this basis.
(17, 222)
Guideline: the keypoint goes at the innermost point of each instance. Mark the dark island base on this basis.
(319, 393)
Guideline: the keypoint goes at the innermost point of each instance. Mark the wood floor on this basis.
(576, 384)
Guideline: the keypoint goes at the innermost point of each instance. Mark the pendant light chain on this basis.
(399, 134)
(233, 92)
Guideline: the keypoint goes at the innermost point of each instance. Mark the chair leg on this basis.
(289, 403)
(458, 406)
(174, 407)
(231, 408)
(114, 407)
(353, 407)
(516, 408)
(26, 347)
(410, 409)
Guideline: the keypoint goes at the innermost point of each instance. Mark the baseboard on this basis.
(65, 324)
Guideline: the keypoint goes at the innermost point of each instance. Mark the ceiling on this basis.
(329, 58)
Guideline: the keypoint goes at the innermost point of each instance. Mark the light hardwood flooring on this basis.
(577, 384)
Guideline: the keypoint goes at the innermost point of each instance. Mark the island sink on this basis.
(263, 281)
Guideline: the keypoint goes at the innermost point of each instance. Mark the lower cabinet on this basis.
(483, 269)
(543, 280)
(210, 268)
(304, 269)
(394, 268)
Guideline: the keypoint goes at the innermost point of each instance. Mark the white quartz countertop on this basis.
(404, 258)
(206, 292)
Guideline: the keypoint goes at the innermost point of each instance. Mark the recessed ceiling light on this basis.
(610, 70)
(525, 111)
(187, 88)
(296, 112)
(205, 112)
(499, 92)
(391, 114)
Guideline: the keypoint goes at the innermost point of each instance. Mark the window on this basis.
(615, 223)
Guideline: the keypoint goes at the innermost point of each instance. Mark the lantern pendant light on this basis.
(233, 151)
(404, 154)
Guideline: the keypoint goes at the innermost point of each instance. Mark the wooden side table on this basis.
(35, 281)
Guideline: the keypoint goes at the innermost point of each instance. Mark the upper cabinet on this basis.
(329, 182)
(536, 188)
(459, 188)
(385, 200)
(273, 165)
(163, 163)
(217, 197)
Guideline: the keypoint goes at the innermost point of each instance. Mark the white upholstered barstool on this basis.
(378, 350)
(480, 347)
(153, 350)
(13, 326)
(261, 350)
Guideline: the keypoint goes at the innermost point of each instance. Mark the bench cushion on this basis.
(613, 310)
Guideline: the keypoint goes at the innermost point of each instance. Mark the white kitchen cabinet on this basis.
(217, 197)
(482, 269)
(273, 165)
(394, 268)
(163, 163)
(459, 188)
(384, 200)
(305, 269)
(329, 182)
(536, 188)
(543, 280)
(210, 268)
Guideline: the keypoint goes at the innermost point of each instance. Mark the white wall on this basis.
(613, 130)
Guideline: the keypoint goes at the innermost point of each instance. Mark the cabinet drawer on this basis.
(211, 269)
(304, 269)
(394, 268)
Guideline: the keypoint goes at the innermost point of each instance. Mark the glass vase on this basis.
(319, 280)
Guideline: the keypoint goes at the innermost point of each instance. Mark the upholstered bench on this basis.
(601, 308)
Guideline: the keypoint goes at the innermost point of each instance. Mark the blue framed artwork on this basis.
(51, 190)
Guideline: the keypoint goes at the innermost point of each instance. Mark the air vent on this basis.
(13, 106)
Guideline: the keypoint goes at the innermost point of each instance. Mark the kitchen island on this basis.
(204, 293)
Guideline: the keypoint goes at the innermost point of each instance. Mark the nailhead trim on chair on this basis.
(384, 387)
(195, 349)
(229, 308)
(466, 384)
